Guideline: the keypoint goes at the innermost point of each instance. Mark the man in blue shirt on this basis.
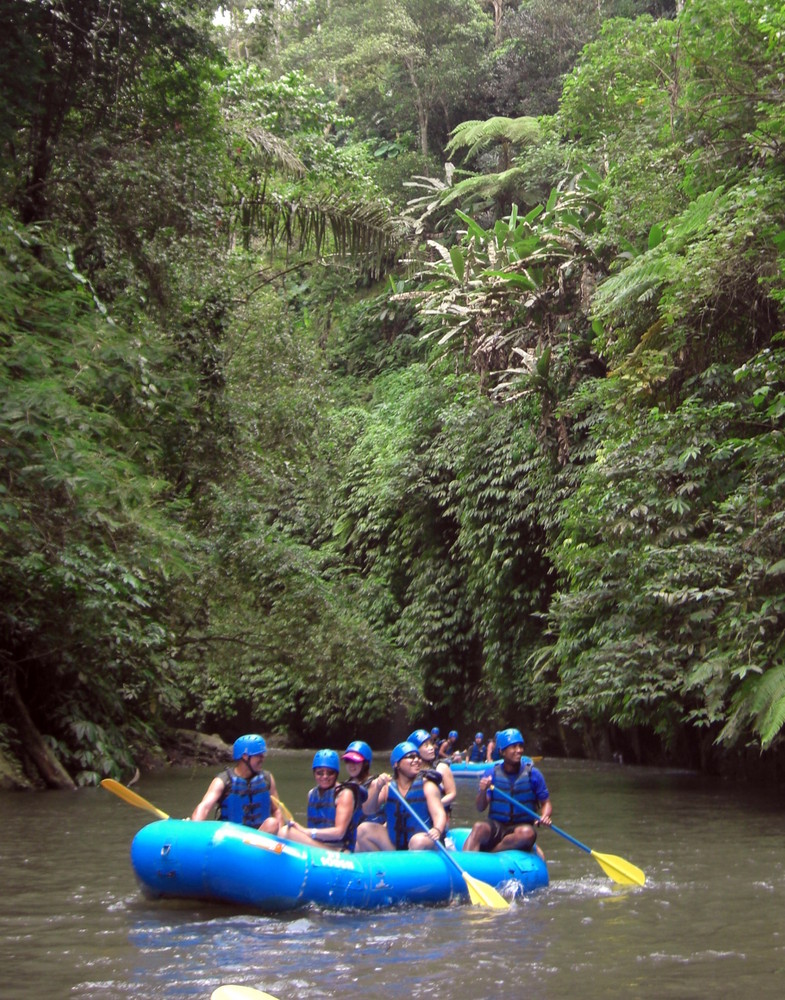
(509, 827)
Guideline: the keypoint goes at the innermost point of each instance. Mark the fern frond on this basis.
(643, 276)
(486, 185)
(692, 220)
(759, 701)
(635, 283)
(768, 704)
(479, 135)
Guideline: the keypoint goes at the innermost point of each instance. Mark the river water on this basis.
(708, 924)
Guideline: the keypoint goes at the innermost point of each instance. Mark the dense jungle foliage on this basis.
(370, 364)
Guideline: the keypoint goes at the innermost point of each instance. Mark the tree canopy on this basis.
(280, 455)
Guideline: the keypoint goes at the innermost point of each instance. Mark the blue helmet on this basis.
(358, 749)
(250, 744)
(435, 731)
(418, 737)
(453, 734)
(401, 750)
(478, 736)
(507, 737)
(326, 758)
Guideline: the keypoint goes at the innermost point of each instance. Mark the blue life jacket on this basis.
(519, 786)
(321, 807)
(245, 800)
(401, 825)
(321, 812)
(477, 753)
(360, 797)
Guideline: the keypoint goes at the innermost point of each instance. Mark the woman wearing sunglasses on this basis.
(334, 810)
(402, 832)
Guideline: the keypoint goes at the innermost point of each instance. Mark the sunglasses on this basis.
(410, 756)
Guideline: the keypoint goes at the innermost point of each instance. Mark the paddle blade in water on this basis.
(619, 870)
(483, 894)
(240, 993)
(480, 893)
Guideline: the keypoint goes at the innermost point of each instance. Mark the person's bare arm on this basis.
(450, 789)
(481, 802)
(546, 810)
(377, 794)
(433, 799)
(211, 799)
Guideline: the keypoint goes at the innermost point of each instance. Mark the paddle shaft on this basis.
(533, 814)
(125, 793)
(421, 821)
(479, 892)
(287, 813)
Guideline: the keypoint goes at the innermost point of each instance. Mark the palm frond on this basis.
(336, 224)
(276, 151)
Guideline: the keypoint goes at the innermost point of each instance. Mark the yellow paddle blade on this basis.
(482, 894)
(128, 796)
(619, 870)
(240, 993)
(286, 813)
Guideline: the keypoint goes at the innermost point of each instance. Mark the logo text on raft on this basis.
(336, 861)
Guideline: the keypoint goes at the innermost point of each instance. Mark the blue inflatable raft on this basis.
(225, 862)
(473, 770)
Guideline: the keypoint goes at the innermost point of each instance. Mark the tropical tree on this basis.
(537, 43)
(662, 625)
(121, 320)
(427, 54)
(78, 72)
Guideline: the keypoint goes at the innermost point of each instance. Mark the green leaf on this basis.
(458, 262)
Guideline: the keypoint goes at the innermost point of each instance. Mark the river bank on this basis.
(177, 747)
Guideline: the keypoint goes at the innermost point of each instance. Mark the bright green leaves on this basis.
(523, 271)
(670, 550)
(436, 514)
(297, 182)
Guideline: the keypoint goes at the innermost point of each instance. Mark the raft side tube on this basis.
(219, 861)
(230, 863)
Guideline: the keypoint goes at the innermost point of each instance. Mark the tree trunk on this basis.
(12, 778)
(498, 12)
(422, 108)
(47, 765)
(422, 115)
